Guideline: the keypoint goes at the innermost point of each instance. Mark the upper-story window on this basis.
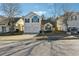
(27, 20)
(35, 19)
(73, 17)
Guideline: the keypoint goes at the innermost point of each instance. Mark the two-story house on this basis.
(32, 23)
(4, 24)
(60, 25)
(72, 21)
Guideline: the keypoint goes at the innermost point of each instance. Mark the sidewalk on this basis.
(17, 37)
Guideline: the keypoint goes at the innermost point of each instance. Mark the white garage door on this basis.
(32, 28)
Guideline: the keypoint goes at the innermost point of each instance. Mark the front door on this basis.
(48, 28)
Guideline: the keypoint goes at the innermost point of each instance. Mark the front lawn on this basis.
(10, 34)
(52, 34)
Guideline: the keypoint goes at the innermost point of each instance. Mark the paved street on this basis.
(54, 46)
(57, 48)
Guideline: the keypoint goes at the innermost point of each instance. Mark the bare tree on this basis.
(60, 9)
(10, 10)
(52, 9)
(67, 13)
(55, 9)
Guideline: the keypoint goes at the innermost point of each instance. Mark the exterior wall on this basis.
(32, 27)
(60, 25)
(7, 28)
(73, 23)
(20, 25)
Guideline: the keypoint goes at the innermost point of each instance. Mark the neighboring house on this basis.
(47, 25)
(60, 23)
(4, 24)
(73, 20)
(32, 23)
(19, 24)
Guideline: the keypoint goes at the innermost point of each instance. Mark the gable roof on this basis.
(34, 12)
(3, 20)
(31, 14)
(16, 19)
(47, 21)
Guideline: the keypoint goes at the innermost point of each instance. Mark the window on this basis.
(27, 20)
(35, 19)
(3, 29)
(73, 17)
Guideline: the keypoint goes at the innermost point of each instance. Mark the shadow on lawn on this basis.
(52, 34)
(11, 34)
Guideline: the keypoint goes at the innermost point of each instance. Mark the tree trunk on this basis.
(66, 24)
(11, 29)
